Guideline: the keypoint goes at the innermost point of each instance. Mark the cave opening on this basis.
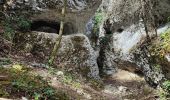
(52, 27)
(120, 30)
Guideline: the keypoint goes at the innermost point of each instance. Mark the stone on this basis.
(168, 57)
(59, 73)
(75, 54)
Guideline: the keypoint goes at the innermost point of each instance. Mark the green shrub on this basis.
(8, 28)
(23, 24)
(164, 93)
(12, 24)
(98, 18)
(166, 41)
(161, 47)
(166, 86)
(169, 19)
(5, 61)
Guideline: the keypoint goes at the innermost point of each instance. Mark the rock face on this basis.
(121, 35)
(78, 11)
(42, 4)
(75, 54)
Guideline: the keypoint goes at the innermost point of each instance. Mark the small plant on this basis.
(169, 19)
(96, 84)
(24, 24)
(70, 80)
(166, 41)
(5, 61)
(164, 92)
(8, 29)
(166, 85)
(98, 18)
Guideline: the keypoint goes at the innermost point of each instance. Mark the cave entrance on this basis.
(52, 27)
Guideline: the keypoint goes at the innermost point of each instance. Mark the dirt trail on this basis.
(121, 86)
(128, 86)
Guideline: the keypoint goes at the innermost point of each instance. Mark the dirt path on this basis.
(121, 86)
(128, 86)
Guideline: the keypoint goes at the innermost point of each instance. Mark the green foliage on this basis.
(96, 84)
(33, 86)
(5, 61)
(24, 24)
(166, 86)
(11, 24)
(166, 41)
(169, 19)
(97, 21)
(157, 67)
(21, 83)
(161, 47)
(9, 30)
(70, 80)
(98, 18)
(164, 93)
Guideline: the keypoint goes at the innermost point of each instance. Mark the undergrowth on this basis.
(17, 82)
(15, 23)
(161, 48)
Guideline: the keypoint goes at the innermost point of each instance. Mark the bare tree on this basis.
(58, 40)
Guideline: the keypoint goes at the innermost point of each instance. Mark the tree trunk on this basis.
(144, 18)
(58, 40)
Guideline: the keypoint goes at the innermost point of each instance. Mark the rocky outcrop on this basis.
(78, 11)
(75, 54)
(123, 29)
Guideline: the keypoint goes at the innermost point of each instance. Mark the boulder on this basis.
(75, 54)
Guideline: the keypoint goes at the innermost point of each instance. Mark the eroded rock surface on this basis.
(78, 11)
(75, 54)
(127, 49)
